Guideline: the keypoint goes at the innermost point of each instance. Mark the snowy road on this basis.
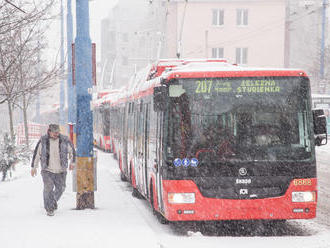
(123, 221)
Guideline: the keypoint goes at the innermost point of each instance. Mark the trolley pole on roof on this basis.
(84, 124)
(62, 100)
(70, 87)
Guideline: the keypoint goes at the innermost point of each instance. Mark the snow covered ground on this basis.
(120, 220)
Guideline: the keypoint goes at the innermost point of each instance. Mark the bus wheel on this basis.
(152, 199)
(162, 219)
(159, 217)
(135, 192)
(123, 177)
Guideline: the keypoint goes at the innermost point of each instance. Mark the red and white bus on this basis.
(211, 141)
(101, 117)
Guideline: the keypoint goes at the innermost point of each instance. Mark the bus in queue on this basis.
(101, 119)
(213, 141)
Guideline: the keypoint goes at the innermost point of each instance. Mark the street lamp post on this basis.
(70, 87)
(84, 124)
(62, 99)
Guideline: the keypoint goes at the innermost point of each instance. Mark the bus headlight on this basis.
(177, 198)
(303, 196)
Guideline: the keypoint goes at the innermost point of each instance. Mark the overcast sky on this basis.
(98, 10)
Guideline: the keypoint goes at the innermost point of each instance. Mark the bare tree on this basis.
(33, 76)
(21, 36)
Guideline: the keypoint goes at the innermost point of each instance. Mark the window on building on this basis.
(217, 17)
(241, 55)
(242, 17)
(217, 52)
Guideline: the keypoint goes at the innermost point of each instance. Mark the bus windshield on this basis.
(246, 119)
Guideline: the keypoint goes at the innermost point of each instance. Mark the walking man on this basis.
(52, 151)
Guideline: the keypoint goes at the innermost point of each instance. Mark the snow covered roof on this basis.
(222, 66)
(202, 69)
(105, 92)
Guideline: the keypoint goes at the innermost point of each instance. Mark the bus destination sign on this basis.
(237, 86)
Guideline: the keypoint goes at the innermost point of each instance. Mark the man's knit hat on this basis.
(54, 128)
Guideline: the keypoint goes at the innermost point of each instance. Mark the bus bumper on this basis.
(211, 209)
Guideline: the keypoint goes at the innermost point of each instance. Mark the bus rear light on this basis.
(304, 196)
(179, 198)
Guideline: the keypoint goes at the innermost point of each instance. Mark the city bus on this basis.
(101, 119)
(211, 141)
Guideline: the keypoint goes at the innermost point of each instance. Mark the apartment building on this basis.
(246, 32)
(128, 41)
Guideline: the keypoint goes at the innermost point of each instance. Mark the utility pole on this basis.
(324, 8)
(179, 44)
(38, 94)
(287, 35)
(70, 87)
(84, 127)
(61, 110)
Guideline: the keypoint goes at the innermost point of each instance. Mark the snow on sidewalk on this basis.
(23, 222)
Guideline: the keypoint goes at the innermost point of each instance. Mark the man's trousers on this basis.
(54, 186)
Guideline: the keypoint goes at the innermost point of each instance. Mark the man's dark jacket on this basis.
(64, 142)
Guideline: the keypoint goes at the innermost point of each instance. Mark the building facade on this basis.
(304, 20)
(128, 41)
(245, 32)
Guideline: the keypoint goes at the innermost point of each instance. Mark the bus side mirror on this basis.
(160, 98)
(320, 127)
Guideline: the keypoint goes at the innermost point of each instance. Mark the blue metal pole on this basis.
(83, 54)
(62, 100)
(324, 5)
(71, 96)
